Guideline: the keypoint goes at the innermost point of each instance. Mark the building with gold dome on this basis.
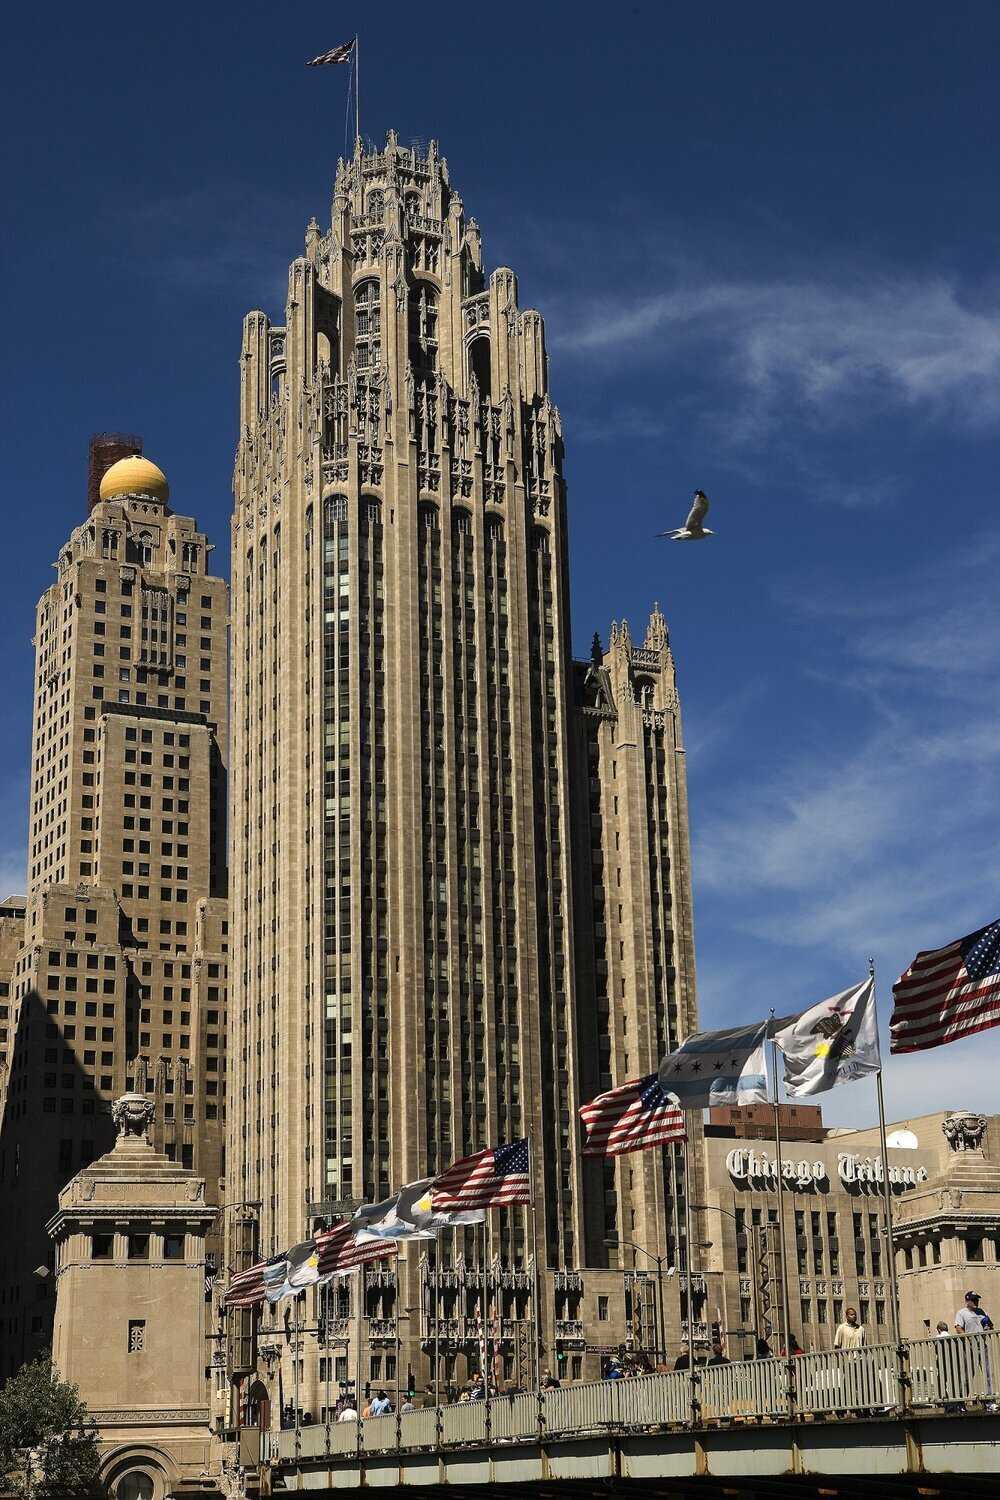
(114, 969)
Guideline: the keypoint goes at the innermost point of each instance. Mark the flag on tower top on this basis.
(340, 54)
(633, 1117)
(948, 993)
(489, 1179)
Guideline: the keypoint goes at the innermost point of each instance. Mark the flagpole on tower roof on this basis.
(357, 87)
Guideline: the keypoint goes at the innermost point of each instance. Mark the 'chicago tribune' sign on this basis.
(858, 1174)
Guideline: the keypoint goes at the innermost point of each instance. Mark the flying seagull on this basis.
(692, 530)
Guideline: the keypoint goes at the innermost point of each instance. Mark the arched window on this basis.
(375, 207)
(145, 544)
(412, 205)
(480, 365)
(423, 328)
(109, 544)
(368, 324)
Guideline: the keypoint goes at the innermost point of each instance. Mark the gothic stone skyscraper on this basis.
(119, 981)
(458, 911)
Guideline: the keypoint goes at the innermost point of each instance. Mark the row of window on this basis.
(137, 1246)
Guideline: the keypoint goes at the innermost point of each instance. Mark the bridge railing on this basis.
(951, 1373)
(749, 1388)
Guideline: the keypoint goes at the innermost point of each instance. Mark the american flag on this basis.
(633, 1117)
(246, 1288)
(339, 54)
(340, 1250)
(489, 1179)
(948, 993)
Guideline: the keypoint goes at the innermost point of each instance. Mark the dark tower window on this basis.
(480, 366)
(423, 328)
(368, 325)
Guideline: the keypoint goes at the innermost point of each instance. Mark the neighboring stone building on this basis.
(120, 979)
(947, 1229)
(945, 1175)
(130, 1322)
(461, 894)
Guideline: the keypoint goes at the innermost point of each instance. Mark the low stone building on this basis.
(130, 1319)
(944, 1169)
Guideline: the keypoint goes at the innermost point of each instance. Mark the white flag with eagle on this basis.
(833, 1042)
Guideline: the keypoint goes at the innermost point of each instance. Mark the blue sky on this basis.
(766, 241)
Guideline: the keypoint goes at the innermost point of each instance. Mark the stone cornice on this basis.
(123, 1416)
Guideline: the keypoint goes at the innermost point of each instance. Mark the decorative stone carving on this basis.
(964, 1130)
(232, 1479)
(133, 1115)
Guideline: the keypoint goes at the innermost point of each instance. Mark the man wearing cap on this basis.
(971, 1318)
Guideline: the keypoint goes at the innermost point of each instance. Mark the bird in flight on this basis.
(692, 530)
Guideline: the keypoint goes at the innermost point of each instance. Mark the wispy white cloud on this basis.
(879, 838)
(828, 345)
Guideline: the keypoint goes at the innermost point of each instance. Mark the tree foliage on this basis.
(48, 1445)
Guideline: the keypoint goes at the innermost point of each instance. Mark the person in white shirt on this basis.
(943, 1331)
(348, 1414)
(850, 1334)
(969, 1319)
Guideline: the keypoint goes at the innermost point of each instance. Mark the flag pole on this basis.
(437, 1327)
(358, 1311)
(484, 1302)
(689, 1256)
(535, 1296)
(781, 1196)
(357, 87)
(295, 1373)
(328, 1320)
(886, 1185)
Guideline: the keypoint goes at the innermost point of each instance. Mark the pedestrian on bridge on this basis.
(850, 1334)
(972, 1318)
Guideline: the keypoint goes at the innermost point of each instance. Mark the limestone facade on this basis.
(130, 1324)
(946, 1228)
(119, 978)
(460, 879)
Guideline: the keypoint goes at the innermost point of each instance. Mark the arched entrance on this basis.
(139, 1473)
(258, 1407)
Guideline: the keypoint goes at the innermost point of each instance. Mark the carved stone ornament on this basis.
(133, 1114)
(964, 1130)
(232, 1479)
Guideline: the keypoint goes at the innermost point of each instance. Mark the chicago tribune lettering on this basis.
(856, 1173)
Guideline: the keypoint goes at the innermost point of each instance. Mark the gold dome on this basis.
(135, 476)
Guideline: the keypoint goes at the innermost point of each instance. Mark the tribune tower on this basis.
(457, 911)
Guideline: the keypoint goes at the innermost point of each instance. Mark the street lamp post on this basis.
(713, 1208)
(660, 1261)
(403, 1316)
